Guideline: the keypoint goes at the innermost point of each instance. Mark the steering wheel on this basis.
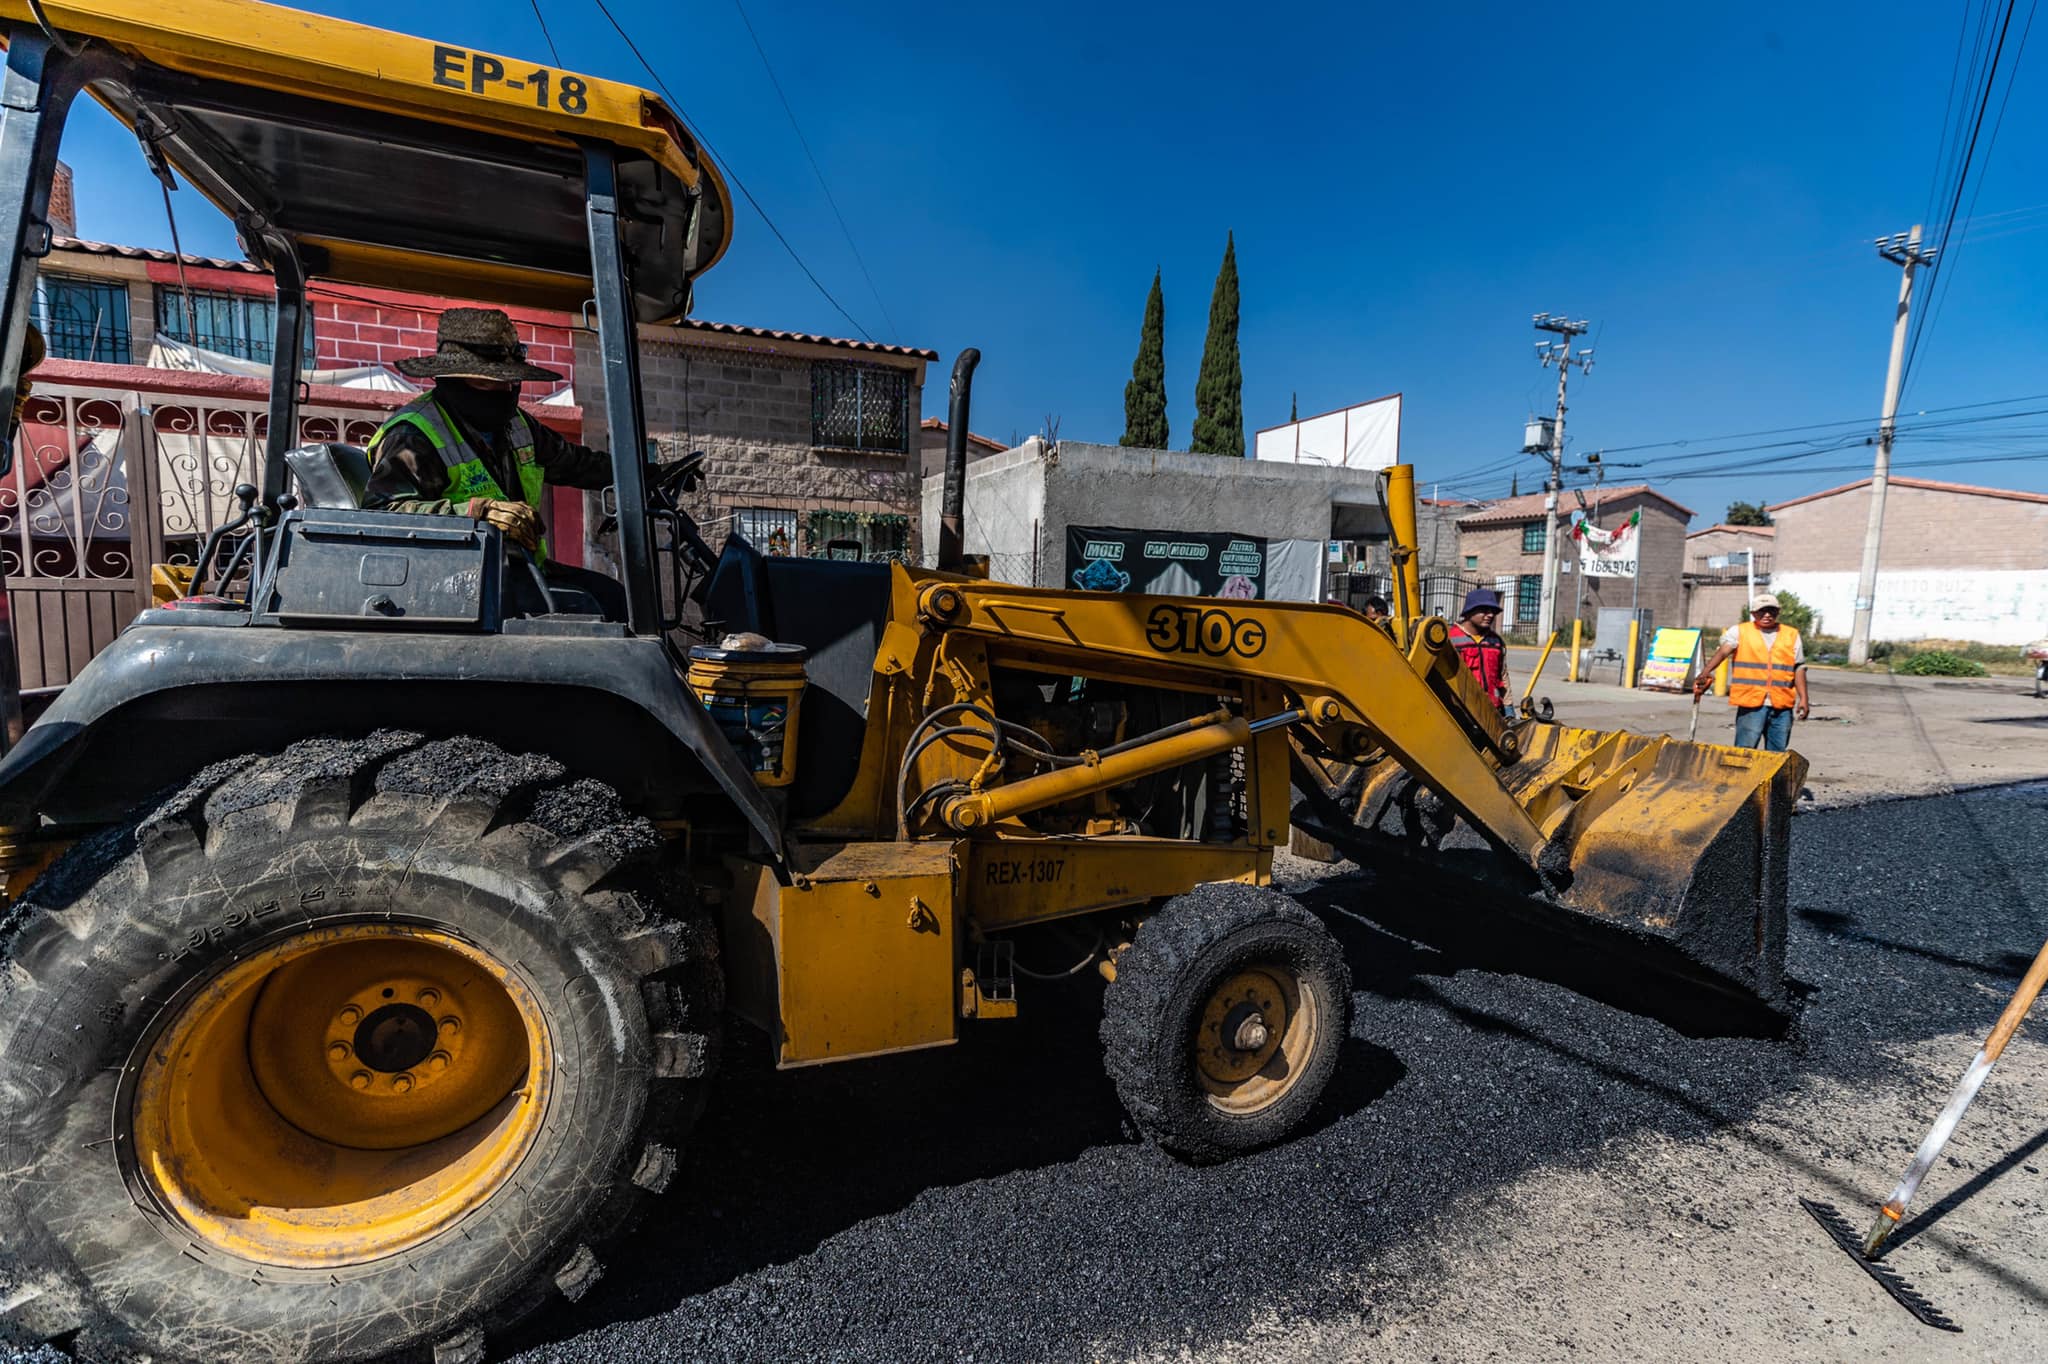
(679, 476)
(670, 481)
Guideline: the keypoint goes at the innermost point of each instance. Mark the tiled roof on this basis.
(152, 253)
(770, 334)
(688, 324)
(1925, 484)
(1766, 531)
(937, 424)
(1529, 506)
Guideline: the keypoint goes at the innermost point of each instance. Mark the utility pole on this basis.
(1903, 250)
(1559, 353)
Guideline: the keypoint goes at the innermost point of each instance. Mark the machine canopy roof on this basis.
(398, 161)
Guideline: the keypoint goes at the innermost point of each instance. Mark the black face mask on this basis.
(485, 410)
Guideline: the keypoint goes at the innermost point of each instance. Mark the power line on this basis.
(818, 171)
(552, 52)
(730, 172)
(1909, 424)
(1963, 174)
(1947, 114)
(1941, 276)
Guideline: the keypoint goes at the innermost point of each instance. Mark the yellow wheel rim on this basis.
(1257, 1030)
(340, 1096)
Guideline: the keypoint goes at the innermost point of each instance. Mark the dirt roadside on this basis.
(1871, 735)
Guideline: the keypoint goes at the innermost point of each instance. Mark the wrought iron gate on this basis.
(107, 482)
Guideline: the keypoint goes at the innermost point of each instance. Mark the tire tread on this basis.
(575, 835)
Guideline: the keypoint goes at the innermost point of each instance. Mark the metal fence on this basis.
(1442, 593)
(107, 482)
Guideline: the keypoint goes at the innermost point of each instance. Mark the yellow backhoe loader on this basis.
(328, 1036)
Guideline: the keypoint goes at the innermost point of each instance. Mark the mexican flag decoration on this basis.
(1606, 553)
(1583, 530)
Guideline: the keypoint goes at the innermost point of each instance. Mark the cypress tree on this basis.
(1219, 390)
(1145, 394)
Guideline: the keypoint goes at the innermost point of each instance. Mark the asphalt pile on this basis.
(988, 1202)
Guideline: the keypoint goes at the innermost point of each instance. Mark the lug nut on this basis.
(439, 1060)
(350, 1016)
(360, 1080)
(450, 1026)
(402, 1083)
(430, 997)
(337, 1051)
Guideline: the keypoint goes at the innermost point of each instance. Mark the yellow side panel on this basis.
(863, 952)
(1028, 880)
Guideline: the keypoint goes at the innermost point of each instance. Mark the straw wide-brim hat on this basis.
(475, 343)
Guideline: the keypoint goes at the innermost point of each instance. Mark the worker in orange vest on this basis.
(1766, 682)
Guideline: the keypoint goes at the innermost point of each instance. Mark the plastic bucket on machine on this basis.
(754, 691)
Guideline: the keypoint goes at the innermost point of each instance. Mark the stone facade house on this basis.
(1956, 561)
(812, 441)
(1502, 546)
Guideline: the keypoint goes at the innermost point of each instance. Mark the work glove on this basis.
(516, 519)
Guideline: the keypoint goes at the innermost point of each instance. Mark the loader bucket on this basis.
(1664, 863)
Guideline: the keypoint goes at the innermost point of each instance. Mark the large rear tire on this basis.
(1225, 1020)
(362, 1047)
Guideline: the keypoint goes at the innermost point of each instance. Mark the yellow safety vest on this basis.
(467, 476)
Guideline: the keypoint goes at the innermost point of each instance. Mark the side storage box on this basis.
(858, 960)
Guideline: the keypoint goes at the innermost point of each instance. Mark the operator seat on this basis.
(331, 475)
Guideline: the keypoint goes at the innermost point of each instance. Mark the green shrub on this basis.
(1795, 613)
(1941, 663)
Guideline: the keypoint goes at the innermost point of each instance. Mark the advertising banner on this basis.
(1167, 563)
(1606, 553)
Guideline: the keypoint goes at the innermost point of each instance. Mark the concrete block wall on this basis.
(1924, 528)
(1713, 607)
(1955, 564)
(749, 410)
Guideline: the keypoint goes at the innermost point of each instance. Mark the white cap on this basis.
(1762, 600)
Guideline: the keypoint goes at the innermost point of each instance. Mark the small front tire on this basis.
(1225, 1020)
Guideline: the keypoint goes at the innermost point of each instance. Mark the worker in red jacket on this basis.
(1480, 645)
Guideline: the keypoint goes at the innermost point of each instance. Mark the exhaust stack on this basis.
(952, 549)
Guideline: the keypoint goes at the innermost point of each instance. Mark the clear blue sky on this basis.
(1407, 185)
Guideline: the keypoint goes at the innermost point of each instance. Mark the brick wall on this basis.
(1661, 563)
(748, 407)
(377, 327)
(1924, 528)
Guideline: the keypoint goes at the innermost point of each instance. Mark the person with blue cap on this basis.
(1480, 645)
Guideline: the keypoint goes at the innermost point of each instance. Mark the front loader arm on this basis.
(1357, 687)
